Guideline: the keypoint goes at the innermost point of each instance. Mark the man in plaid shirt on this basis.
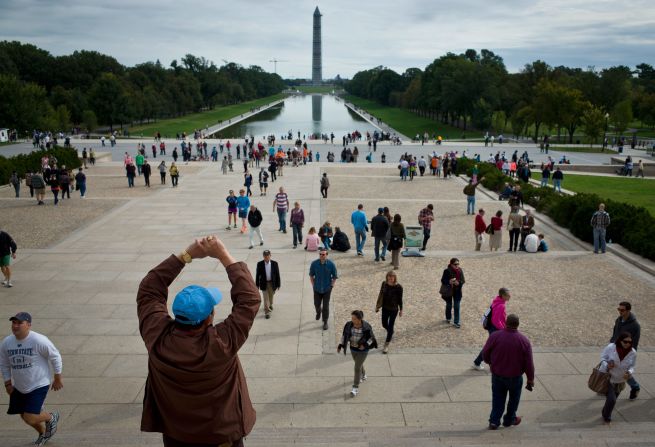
(425, 218)
(600, 220)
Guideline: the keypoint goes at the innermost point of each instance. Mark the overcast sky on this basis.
(357, 35)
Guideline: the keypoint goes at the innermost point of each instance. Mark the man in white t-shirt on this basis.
(531, 242)
(25, 361)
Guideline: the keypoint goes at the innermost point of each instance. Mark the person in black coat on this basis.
(627, 322)
(379, 228)
(267, 278)
(452, 281)
(147, 170)
(340, 241)
(255, 220)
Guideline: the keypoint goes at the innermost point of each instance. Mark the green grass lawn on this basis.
(640, 192)
(408, 123)
(187, 123)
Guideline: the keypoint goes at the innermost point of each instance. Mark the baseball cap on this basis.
(194, 303)
(22, 316)
(380, 210)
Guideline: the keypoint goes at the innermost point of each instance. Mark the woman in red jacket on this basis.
(480, 227)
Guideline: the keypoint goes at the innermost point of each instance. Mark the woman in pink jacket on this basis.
(496, 320)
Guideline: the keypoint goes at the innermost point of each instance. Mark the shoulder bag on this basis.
(599, 381)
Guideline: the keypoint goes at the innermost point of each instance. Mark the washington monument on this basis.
(317, 75)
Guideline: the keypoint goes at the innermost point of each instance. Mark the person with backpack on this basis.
(494, 319)
(38, 183)
(263, 181)
(358, 335)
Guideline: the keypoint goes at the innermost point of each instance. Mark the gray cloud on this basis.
(356, 35)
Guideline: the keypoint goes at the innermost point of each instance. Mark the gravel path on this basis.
(564, 298)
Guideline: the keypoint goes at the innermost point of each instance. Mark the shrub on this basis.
(631, 226)
(32, 161)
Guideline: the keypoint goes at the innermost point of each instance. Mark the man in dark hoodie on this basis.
(379, 227)
(627, 322)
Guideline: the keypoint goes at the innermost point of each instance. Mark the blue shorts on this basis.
(31, 402)
(243, 213)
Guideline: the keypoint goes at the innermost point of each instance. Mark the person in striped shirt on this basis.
(281, 204)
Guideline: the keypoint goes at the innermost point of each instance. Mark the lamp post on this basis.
(607, 118)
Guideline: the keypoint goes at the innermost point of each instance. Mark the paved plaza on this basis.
(81, 292)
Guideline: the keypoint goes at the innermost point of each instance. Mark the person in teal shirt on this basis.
(243, 204)
(358, 219)
(139, 162)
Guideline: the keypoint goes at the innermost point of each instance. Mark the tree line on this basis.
(87, 88)
(475, 90)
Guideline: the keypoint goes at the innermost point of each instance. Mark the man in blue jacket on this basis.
(358, 219)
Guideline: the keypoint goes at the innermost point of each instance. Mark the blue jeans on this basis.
(378, 241)
(500, 387)
(403, 173)
(599, 239)
(82, 187)
(449, 308)
(544, 182)
(470, 204)
(557, 185)
(360, 239)
(297, 234)
(478, 359)
(634, 385)
(282, 218)
(130, 181)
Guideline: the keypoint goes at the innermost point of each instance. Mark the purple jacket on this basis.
(509, 353)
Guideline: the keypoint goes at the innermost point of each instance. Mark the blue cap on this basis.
(194, 303)
(22, 316)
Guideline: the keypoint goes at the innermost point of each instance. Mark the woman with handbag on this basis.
(396, 240)
(452, 281)
(390, 300)
(496, 235)
(619, 360)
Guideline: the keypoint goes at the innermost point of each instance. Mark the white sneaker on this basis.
(479, 367)
(354, 391)
(364, 377)
(9, 284)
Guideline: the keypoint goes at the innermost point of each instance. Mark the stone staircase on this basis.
(530, 435)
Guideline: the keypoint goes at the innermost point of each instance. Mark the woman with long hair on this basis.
(452, 281)
(618, 359)
(390, 300)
